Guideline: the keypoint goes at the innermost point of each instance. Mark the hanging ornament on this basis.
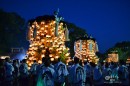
(80, 46)
(97, 47)
(29, 33)
(35, 33)
(66, 33)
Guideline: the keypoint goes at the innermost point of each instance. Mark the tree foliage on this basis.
(123, 49)
(12, 31)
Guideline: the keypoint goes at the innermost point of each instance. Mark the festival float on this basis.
(47, 36)
(113, 57)
(85, 48)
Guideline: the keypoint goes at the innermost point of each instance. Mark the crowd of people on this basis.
(56, 73)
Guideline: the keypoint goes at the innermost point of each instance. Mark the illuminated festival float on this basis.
(113, 57)
(47, 36)
(85, 48)
(128, 60)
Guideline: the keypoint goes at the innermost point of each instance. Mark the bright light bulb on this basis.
(42, 28)
(54, 22)
(45, 31)
(42, 22)
(33, 26)
(42, 40)
(67, 54)
(46, 25)
(50, 55)
(29, 64)
(41, 46)
(42, 55)
(39, 61)
(56, 57)
(48, 36)
(52, 59)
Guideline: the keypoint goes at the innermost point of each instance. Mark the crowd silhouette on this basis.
(56, 73)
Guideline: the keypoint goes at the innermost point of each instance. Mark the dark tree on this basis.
(12, 31)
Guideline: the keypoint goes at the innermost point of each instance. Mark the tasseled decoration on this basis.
(74, 47)
(90, 46)
(34, 33)
(67, 34)
(56, 29)
(97, 47)
(29, 34)
(80, 46)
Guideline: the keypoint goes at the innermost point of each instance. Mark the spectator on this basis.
(47, 75)
(61, 73)
(123, 73)
(106, 73)
(33, 72)
(77, 74)
(88, 70)
(8, 72)
(2, 72)
(23, 69)
(15, 72)
(97, 75)
(33, 68)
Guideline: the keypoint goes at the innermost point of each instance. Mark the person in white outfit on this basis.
(47, 76)
(77, 74)
(61, 73)
(97, 75)
(8, 72)
(33, 72)
(23, 69)
(106, 71)
(123, 74)
(88, 70)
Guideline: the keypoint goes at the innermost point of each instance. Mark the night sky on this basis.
(106, 20)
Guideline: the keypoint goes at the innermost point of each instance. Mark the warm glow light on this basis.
(33, 26)
(52, 59)
(82, 49)
(42, 55)
(42, 22)
(54, 22)
(46, 25)
(85, 59)
(67, 54)
(41, 46)
(29, 68)
(51, 41)
(48, 36)
(3, 57)
(60, 52)
(30, 58)
(39, 61)
(42, 40)
(42, 28)
(45, 39)
(45, 31)
(50, 55)
(29, 64)
(56, 57)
